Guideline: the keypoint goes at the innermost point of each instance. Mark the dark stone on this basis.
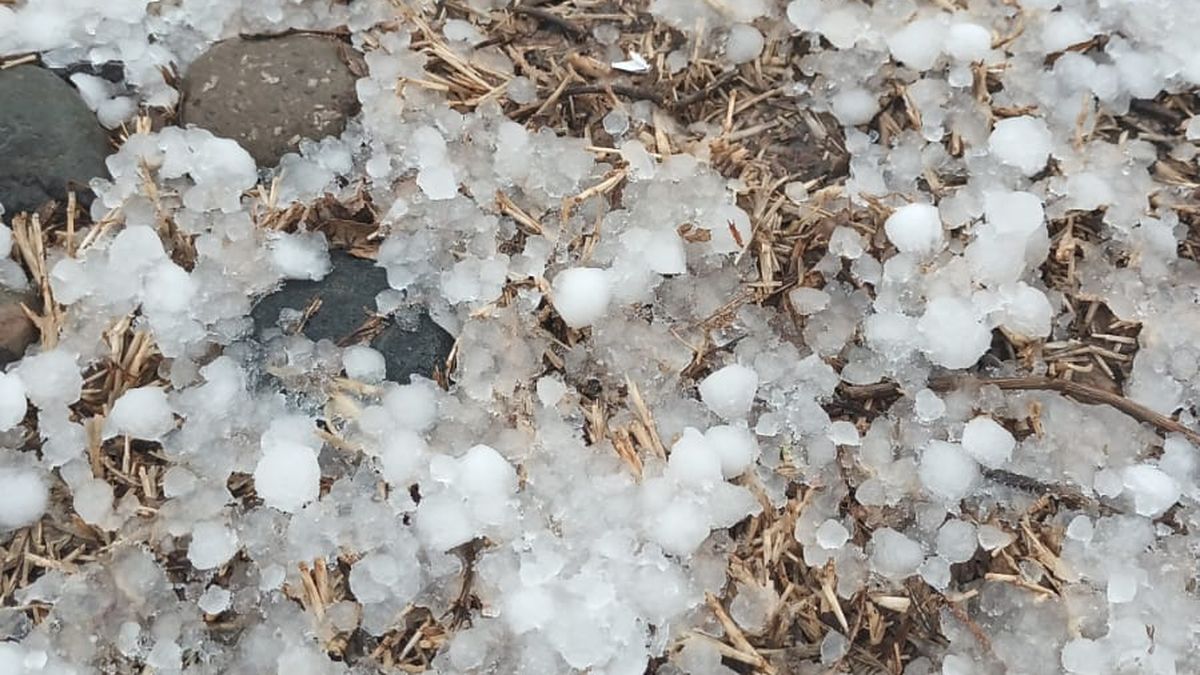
(268, 94)
(113, 71)
(17, 332)
(347, 296)
(50, 142)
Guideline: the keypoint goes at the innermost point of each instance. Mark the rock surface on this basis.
(347, 296)
(49, 141)
(16, 330)
(269, 94)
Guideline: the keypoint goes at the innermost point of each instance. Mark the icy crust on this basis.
(580, 564)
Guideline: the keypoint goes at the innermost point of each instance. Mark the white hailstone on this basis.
(364, 364)
(957, 541)
(946, 471)
(287, 475)
(51, 378)
(1022, 142)
(214, 600)
(6, 240)
(23, 497)
(692, 462)
(1017, 214)
(550, 390)
(968, 42)
(414, 405)
(1081, 529)
(832, 535)
(744, 43)
(581, 295)
(916, 229)
(834, 646)
(401, 455)
(843, 432)
(729, 392)
(13, 405)
(894, 555)
(935, 571)
(143, 412)
(1153, 490)
(1192, 132)
(736, 447)
(918, 44)
(301, 255)
(484, 472)
(168, 288)
(928, 405)
(806, 301)
(989, 443)
(952, 332)
(212, 545)
(854, 106)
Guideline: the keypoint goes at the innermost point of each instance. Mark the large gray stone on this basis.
(49, 141)
(268, 94)
(347, 296)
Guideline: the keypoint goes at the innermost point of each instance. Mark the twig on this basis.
(1080, 392)
(551, 18)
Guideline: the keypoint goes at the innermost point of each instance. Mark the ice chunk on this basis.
(894, 555)
(142, 412)
(692, 462)
(854, 106)
(735, 446)
(1153, 491)
(946, 471)
(212, 545)
(916, 229)
(1080, 529)
(550, 390)
(301, 256)
(23, 497)
(843, 432)
(928, 405)
(753, 606)
(401, 456)
(918, 44)
(214, 600)
(1017, 214)
(968, 42)
(581, 295)
(936, 572)
(729, 392)
(834, 646)
(832, 535)
(1022, 142)
(957, 541)
(953, 332)
(13, 405)
(806, 301)
(744, 43)
(989, 443)
(413, 406)
(364, 364)
(1082, 656)
(287, 476)
(992, 538)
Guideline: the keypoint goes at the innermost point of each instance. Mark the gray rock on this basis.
(347, 296)
(49, 141)
(17, 332)
(268, 94)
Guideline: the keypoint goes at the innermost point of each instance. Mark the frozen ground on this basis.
(928, 408)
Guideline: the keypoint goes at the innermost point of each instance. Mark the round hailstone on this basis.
(744, 44)
(989, 443)
(364, 364)
(832, 535)
(414, 405)
(957, 541)
(693, 462)
(301, 256)
(287, 476)
(968, 42)
(143, 412)
(854, 106)
(806, 301)
(918, 44)
(894, 555)
(23, 498)
(916, 229)
(953, 334)
(212, 545)
(729, 392)
(1022, 142)
(1018, 214)
(735, 445)
(581, 295)
(400, 457)
(946, 471)
(12, 401)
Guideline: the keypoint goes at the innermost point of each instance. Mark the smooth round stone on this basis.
(17, 332)
(269, 94)
(50, 142)
(347, 296)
